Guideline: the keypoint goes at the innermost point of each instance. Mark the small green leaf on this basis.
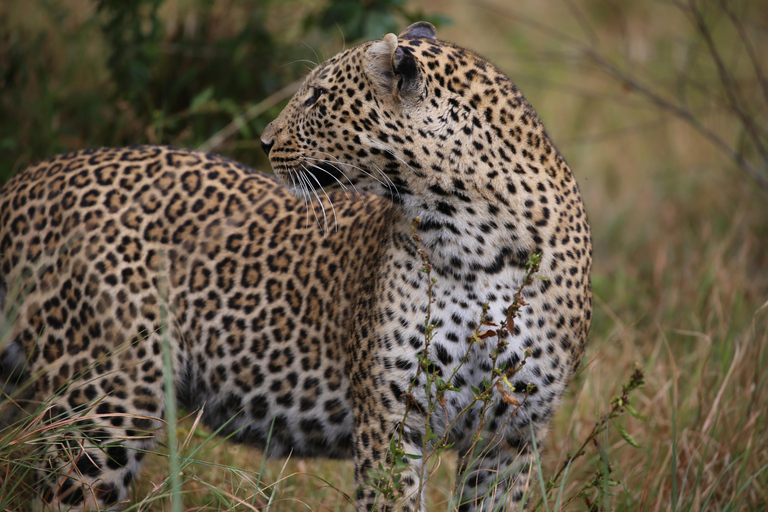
(628, 438)
(201, 99)
(631, 410)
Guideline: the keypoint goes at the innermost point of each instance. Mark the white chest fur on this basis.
(531, 357)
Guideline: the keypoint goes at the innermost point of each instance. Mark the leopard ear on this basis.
(379, 63)
(406, 70)
(393, 68)
(420, 29)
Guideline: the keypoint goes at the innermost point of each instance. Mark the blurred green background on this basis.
(660, 107)
(83, 73)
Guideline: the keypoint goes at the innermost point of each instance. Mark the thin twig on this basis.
(748, 46)
(728, 83)
(270, 101)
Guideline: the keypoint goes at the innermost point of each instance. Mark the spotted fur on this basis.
(98, 246)
(449, 140)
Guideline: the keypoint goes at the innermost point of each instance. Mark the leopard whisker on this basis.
(338, 162)
(330, 201)
(336, 165)
(308, 187)
(390, 184)
(315, 166)
(387, 181)
(304, 194)
(290, 175)
(310, 64)
(399, 159)
(309, 175)
(320, 58)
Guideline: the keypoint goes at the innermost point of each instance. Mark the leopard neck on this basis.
(465, 240)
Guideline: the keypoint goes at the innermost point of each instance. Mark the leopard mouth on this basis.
(322, 175)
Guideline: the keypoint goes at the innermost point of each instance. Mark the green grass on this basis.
(680, 231)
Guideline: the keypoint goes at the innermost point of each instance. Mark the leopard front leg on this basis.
(388, 441)
(497, 476)
(388, 466)
(496, 473)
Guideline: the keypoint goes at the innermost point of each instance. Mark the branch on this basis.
(270, 101)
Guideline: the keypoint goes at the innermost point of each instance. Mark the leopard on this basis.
(309, 312)
(479, 194)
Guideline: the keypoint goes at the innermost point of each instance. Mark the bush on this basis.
(82, 74)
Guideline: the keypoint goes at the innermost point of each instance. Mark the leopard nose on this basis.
(266, 145)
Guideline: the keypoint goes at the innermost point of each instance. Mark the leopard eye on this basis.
(316, 93)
